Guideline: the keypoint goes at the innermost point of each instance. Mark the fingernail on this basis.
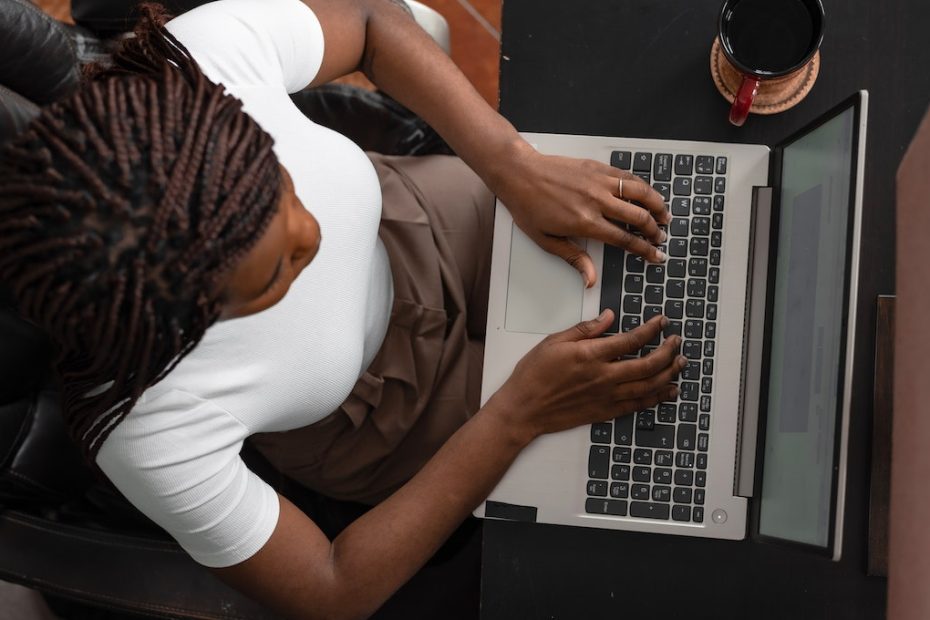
(664, 321)
(674, 392)
(663, 236)
(602, 315)
(682, 361)
(661, 256)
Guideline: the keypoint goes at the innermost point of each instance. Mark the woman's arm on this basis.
(550, 198)
(571, 378)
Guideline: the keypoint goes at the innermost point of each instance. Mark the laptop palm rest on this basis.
(544, 293)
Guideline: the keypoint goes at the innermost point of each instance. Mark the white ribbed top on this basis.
(176, 456)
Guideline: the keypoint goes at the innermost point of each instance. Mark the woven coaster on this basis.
(775, 95)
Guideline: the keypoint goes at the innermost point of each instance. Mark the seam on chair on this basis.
(155, 545)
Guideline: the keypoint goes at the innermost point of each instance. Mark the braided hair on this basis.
(122, 208)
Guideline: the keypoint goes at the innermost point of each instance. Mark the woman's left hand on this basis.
(554, 198)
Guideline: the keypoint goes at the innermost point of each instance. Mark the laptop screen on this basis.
(807, 330)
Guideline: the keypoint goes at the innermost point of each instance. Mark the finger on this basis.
(624, 371)
(616, 346)
(571, 253)
(635, 216)
(609, 232)
(645, 402)
(585, 329)
(636, 189)
(650, 385)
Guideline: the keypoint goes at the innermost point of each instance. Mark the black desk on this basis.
(640, 68)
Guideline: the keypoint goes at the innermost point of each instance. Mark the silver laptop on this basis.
(761, 284)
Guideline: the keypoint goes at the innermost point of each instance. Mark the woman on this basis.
(210, 269)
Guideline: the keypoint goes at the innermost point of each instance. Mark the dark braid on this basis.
(121, 209)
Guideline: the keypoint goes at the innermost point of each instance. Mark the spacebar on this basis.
(648, 510)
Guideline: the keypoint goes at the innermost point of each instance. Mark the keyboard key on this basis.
(630, 322)
(693, 327)
(666, 413)
(701, 205)
(697, 287)
(709, 346)
(698, 514)
(721, 165)
(703, 442)
(644, 176)
(697, 267)
(650, 312)
(597, 488)
(704, 164)
(699, 246)
(713, 276)
(662, 170)
(720, 185)
(715, 257)
(622, 455)
(699, 496)
(601, 432)
(691, 371)
(701, 463)
(662, 475)
(687, 412)
(674, 309)
(716, 239)
(616, 507)
(700, 226)
(620, 472)
(704, 422)
(633, 283)
(654, 295)
(655, 274)
(682, 495)
(662, 436)
(640, 474)
(678, 247)
(632, 304)
(645, 510)
(681, 206)
(676, 268)
(708, 365)
(664, 190)
(686, 437)
(642, 456)
(678, 227)
(705, 403)
(707, 385)
(694, 308)
(684, 459)
(684, 164)
(675, 289)
(691, 349)
(703, 185)
(620, 490)
(599, 462)
(635, 264)
(621, 159)
(642, 162)
(718, 203)
(681, 513)
(681, 186)
(664, 458)
(645, 420)
(685, 478)
(711, 312)
(623, 430)
(639, 491)
(689, 391)
(661, 494)
(717, 221)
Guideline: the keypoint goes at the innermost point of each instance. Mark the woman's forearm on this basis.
(402, 59)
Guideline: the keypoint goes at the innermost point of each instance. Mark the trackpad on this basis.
(544, 293)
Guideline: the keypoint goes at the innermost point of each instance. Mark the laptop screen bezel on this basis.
(830, 550)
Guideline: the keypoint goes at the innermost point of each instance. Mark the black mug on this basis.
(766, 40)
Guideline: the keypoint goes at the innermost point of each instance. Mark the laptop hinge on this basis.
(753, 341)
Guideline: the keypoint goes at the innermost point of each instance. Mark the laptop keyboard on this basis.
(653, 464)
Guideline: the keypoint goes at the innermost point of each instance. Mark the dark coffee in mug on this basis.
(770, 36)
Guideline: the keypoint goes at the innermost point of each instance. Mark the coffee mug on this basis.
(765, 40)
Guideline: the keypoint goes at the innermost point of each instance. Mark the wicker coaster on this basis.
(775, 95)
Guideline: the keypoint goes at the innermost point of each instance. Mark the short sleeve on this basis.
(253, 42)
(176, 458)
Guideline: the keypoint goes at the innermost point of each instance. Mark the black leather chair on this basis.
(66, 533)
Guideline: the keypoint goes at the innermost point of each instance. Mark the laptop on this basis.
(761, 284)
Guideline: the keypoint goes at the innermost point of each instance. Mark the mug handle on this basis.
(743, 101)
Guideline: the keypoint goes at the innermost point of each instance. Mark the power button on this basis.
(719, 516)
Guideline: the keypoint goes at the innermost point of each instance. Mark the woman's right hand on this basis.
(574, 377)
